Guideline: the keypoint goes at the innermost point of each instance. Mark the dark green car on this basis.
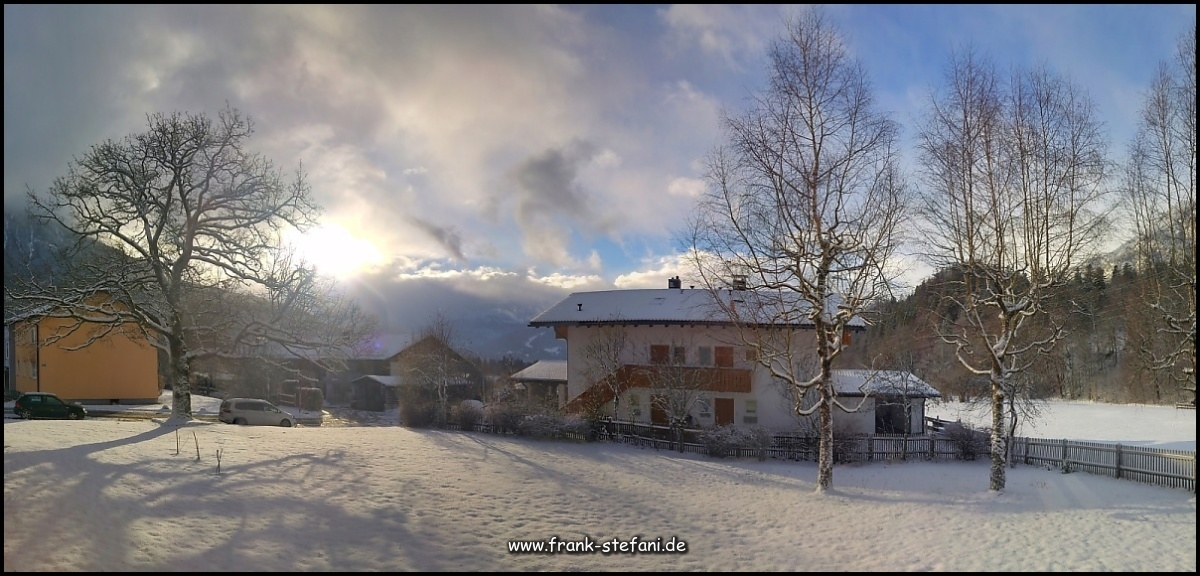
(46, 405)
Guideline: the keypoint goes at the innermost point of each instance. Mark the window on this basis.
(659, 353)
(635, 405)
(751, 354)
(751, 416)
(724, 356)
(680, 356)
(704, 407)
(33, 367)
(706, 356)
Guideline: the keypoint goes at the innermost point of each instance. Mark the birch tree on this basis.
(1160, 189)
(603, 356)
(802, 211)
(191, 222)
(1011, 196)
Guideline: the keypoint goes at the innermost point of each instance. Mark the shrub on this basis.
(418, 414)
(847, 446)
(576, 426)
(724, 441)
(467, 416)
(544, 426)
(506, 416)
(970, 442)
(311, 399)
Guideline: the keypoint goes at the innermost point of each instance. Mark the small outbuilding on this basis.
(543, 380)
(374, 393)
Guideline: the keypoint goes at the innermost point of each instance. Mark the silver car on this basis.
(251, 411)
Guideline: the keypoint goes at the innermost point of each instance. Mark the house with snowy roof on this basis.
(649, 355)
(544, 380)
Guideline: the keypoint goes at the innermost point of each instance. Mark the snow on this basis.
(117, 494)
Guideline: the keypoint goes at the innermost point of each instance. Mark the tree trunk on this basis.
(997, 476)
(181, 389)
(825, 454)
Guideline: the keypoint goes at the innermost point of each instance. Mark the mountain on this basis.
(519, 341)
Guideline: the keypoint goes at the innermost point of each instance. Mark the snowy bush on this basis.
(467, 416)
(723, 441)
(506, 416)
(576, 426)
(543, 426)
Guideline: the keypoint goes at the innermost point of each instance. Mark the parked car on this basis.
(253, 412)
(46, 405)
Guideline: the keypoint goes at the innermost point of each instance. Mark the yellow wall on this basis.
(116, 367)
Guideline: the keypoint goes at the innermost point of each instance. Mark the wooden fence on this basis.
(1168, 468)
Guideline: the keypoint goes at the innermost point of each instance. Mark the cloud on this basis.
(456, 139)
(447, 237)
(551, 204)
(735, 34)
(654, 272)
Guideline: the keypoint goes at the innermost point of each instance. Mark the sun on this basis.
(335, 251)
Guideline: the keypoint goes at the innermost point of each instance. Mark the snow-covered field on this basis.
(1131, 424)
(111, 494)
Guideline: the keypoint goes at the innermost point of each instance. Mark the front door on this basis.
(723, 411)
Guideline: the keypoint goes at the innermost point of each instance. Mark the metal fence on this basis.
(1160, 467)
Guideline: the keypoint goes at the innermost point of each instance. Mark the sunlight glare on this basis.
(335, 251)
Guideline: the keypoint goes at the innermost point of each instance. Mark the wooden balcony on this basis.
(710, 379)
(728, 380)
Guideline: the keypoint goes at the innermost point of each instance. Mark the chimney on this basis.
(674, 283)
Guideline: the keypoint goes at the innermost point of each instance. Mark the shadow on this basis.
(101, 511)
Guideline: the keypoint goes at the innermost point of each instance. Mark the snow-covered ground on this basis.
(116, 494)
(1131, 424)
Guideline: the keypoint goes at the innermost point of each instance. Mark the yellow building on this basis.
(118, 367)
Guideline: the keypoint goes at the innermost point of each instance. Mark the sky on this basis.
(475, 158)
(108, 494)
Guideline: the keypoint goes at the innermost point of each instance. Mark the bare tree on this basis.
(675, 387)
(603, 355)
(434, 365)
(802, 211)
(181, 229)
(1160, 189)
(1013, 178)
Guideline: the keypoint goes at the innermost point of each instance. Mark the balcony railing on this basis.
(731, 380)
(709, 379)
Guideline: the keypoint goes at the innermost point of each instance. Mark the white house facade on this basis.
(652, 354)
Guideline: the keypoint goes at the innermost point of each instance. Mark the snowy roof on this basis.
(668, 305)
(882, 382)
(385, 380)
(544, 370)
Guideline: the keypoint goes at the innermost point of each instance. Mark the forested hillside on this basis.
(1103, 355)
